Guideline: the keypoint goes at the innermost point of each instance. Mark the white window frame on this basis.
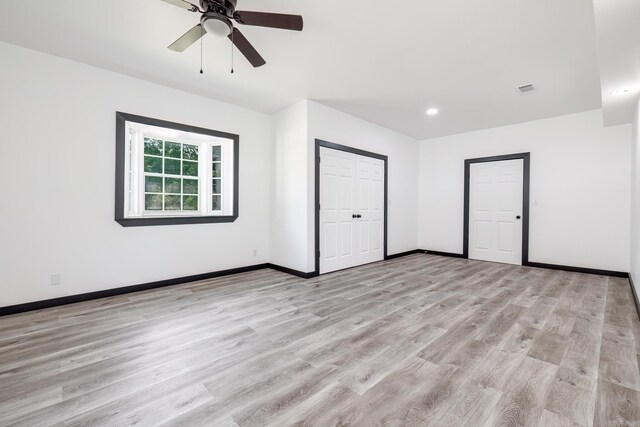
(134, 175)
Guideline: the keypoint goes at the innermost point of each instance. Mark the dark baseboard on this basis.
(635, 295)
(71, 299)
(55, 302)
(447, 254)
(578, 269)
(401, 254)
(292, 271)
(547, 266)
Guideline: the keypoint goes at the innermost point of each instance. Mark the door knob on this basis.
(518, 217)
(354, 216)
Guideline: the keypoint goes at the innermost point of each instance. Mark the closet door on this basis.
(351, 210)
(337, 208)
(370, 210)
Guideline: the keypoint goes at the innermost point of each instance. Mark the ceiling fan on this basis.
(217, 19)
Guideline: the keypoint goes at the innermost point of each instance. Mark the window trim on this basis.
(121, 143)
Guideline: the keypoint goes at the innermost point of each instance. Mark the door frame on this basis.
(526, 157)
(333, 146)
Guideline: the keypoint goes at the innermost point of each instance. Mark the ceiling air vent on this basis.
(528, 88)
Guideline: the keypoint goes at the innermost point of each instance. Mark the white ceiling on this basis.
(383, 61)
(618, 36)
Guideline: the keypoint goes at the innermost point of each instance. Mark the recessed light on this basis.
(432, 111)
(623, 91)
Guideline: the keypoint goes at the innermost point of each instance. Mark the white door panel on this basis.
(350, 185)
(337, 197)
(347, 239)
(330, 240)
(376, 236)
(370, 174)
(495, 202)
(483, 236)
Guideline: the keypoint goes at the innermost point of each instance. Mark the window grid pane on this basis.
(216, 175)
(190, 203)
(190, 186)
(216, 203)
(165, 165)
(153, 202)
(216, 186)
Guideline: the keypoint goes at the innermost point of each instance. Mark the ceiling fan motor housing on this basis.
(224, 7)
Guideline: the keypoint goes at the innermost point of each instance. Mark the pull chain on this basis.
(201, 38)
(232, 45)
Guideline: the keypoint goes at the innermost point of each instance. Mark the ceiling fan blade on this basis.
(187, 39)
(272, 20)
(183, 4)
(246, 48)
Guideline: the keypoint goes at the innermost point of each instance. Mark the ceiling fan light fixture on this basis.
(219, 18)
(216, 25)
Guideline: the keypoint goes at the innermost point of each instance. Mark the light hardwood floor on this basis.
(421, 340)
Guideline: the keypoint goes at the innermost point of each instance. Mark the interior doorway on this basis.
(351, 207)
(496, 213)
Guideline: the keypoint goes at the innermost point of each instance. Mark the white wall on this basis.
(580, 177)
(295, 130)
(334, 126)
(58, 146)
(58, 153)
(635, 201)
(289, 188)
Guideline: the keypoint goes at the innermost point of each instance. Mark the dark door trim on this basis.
(526, 157)
(321, 143)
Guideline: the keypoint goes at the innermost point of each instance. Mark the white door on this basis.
(351, 210)
(370, 212)
(495, 211)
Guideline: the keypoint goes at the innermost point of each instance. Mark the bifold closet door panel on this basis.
(370, 176)
(337, 205)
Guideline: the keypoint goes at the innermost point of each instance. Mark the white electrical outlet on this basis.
(255, 252)
(56, 279)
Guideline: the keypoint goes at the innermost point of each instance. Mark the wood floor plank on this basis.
(326, 404)
(619, 365)
(429, 403)
(551, 345)
(472, 406)
(583, 351)
(497, 368)
(419, 340)
(618, 311)
(365, 375)
(616, 405)
(574, 405)
(618, 335)
(538, 314)
(494, 331)
(378, 406)
(523, 400)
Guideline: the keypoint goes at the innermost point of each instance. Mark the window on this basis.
(168, 173)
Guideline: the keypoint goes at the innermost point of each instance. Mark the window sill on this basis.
(150, 221)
